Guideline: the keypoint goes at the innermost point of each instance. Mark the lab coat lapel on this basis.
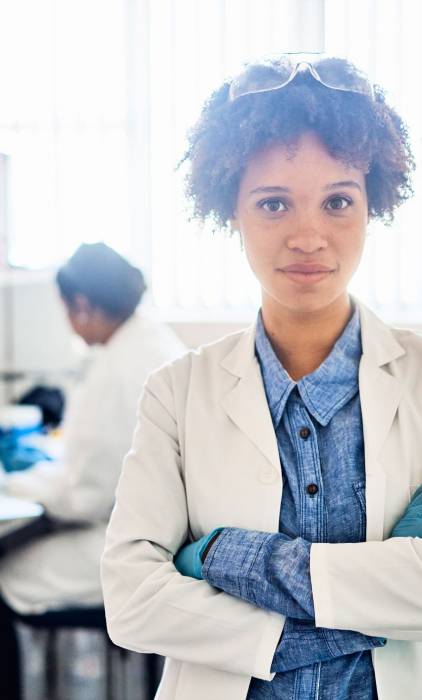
(246, 403)
(380, 394)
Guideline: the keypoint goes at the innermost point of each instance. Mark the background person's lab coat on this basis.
(62, 569)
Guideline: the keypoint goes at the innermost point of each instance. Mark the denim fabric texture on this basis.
(318, 425)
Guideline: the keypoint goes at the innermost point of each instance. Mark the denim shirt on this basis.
(318, 425)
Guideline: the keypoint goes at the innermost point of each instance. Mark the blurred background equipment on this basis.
(49, 399)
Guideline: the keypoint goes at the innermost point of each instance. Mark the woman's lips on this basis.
(306, 273)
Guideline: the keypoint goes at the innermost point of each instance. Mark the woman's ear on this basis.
(82, 308)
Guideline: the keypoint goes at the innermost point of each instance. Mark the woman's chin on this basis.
(306, 303)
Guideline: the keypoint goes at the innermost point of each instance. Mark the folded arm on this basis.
(373, 587)
(150, 607)
(272, 571)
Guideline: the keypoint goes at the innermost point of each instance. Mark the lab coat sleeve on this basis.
(69, 493)
(80, 488)
(371, 587)
(150, 607)
(42, 482)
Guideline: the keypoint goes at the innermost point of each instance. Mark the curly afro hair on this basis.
(360, 129)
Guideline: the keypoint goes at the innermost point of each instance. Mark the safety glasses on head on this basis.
(333, 73)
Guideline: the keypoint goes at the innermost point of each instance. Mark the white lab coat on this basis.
(205, 455)
(63, 568)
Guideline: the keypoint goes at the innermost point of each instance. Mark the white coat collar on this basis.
(378, 344)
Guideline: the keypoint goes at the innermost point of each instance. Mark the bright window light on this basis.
(96, 99)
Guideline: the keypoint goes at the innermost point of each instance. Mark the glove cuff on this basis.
(204, 542)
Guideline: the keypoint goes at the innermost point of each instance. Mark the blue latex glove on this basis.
(188, 559)
(410, 524)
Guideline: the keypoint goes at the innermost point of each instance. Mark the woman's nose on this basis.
(307, 239)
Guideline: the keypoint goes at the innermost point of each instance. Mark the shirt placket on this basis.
(311, 509)
(310, 484)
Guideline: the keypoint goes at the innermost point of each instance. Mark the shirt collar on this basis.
(324, 391)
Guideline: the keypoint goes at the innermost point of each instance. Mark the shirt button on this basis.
(312, 489)
(304, 433)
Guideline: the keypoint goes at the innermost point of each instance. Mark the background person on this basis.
(101, 292)
(281, 449)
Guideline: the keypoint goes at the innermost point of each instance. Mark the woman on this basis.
(101, 292)
(279, 450)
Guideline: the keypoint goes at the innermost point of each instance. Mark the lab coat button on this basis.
(268, 476)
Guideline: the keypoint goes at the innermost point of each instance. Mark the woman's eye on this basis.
(338, 203)
(273, 206)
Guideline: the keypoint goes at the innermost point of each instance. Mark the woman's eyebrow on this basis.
(276, 189)
(342, 183)
(270, 189)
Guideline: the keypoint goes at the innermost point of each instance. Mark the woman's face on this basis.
(302, 216)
